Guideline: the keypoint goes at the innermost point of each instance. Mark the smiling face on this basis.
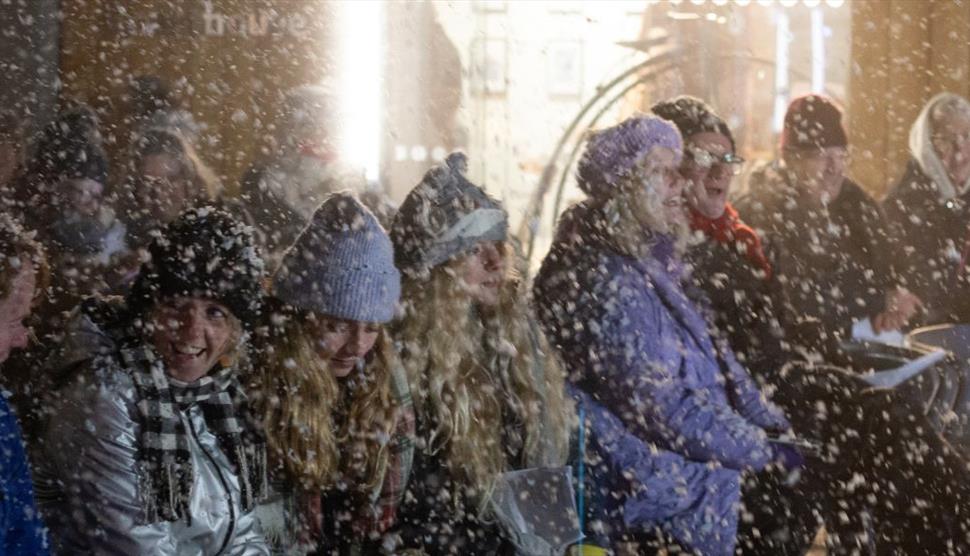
(482, 272)
(708, 177)
(819, 173)
(658, 191)
(342, 343)
(14, 308)
(191, 334)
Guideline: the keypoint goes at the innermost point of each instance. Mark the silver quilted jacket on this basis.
(85, 473)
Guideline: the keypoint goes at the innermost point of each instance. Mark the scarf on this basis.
(729, 229)
(164, 460)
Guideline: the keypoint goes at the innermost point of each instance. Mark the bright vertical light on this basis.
(818, 51)
(361, 47)
(782, 38)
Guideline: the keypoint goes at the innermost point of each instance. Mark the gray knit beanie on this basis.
(444, 217)
(341, 265)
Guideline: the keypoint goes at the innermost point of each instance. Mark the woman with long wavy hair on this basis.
(488, 392)
(334, 398)
(164, 176)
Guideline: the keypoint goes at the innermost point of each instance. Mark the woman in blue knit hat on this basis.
(335, 401)
(488, 392)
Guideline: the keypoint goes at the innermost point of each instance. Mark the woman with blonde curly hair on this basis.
(334, 398)
(488, 393)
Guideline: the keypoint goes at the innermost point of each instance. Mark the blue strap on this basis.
(581, 488)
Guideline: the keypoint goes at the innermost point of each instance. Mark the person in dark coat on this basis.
(830, 241)
(23, 273)
(929, 209)
(609, 295)
(150, 445)
(734, 279)
(488, 393)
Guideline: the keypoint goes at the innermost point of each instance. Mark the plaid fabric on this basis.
(400, 457)
(164, 459)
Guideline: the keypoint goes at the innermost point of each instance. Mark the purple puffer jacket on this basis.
(639, 349)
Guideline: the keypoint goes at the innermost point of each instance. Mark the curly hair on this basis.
(450, 351)
(322, 429)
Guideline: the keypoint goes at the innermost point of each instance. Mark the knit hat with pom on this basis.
(444, 217)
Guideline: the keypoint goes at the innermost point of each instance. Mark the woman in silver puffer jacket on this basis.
(149, 446)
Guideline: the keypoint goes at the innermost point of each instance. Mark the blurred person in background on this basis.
(66, 179)
(829, 238)
(282, 189)
(154, 103)
(929, 209)
(299, 169)
(23, 274)
(164, 176)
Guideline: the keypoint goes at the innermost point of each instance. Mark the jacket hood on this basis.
(921, 148)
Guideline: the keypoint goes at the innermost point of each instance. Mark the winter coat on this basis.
(636, 345)
(438, 523)
(87, 480)
(836, 264)
(745, 302)
(932, 232)
(21, 531)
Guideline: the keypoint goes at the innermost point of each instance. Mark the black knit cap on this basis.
(692, 115)
(204, 252)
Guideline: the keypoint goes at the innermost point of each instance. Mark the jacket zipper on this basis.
(225, 485)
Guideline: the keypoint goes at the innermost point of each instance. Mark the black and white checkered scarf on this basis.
(164, 461)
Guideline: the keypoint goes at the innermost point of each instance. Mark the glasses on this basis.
(706, 160)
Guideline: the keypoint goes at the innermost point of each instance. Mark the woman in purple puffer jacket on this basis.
(639, 352)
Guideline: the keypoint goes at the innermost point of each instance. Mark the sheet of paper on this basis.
(862, 330)
(895, 377)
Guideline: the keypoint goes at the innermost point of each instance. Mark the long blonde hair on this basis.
(299, 400)
(449, 350)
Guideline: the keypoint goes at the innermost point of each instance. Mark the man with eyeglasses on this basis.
(833, 253)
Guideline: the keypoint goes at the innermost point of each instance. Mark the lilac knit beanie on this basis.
(613, 153)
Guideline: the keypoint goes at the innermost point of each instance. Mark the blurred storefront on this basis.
(516, 84)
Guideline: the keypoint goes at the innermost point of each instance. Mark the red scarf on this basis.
(728, 229)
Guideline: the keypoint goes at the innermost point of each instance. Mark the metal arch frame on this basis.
(655, 65)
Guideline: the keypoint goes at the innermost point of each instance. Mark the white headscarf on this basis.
(921, 147)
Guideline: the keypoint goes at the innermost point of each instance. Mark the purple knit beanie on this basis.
(613, 153)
